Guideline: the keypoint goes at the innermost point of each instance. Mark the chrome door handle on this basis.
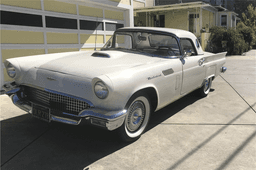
(201, 61)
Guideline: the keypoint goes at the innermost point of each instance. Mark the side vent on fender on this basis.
(168, 71)
(99, 54)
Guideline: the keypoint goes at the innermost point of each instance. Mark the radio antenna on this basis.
(96, 34)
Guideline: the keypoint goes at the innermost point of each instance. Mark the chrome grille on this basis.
(55, 101)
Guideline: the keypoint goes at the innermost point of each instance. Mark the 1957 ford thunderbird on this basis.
(139, 70)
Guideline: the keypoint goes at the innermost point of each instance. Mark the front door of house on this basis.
(193, 22)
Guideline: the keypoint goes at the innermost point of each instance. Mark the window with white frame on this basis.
(223, 20)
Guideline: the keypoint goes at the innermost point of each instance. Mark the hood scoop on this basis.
(109, 54)
(101, 55)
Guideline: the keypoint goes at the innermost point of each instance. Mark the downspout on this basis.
(149, 16)
(201, 19)
(146, 19)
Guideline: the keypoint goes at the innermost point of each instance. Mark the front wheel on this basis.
(136, 120)
(205, 89)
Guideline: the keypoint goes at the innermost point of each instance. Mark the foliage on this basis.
(230, 40)
(247, 32)
(216, 38)
(241, 6)
(248, 25)
(249, 17)
(235, 41)
(236, 44)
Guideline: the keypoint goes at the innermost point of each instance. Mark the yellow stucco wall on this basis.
(61, 38)
(11, 53)
(34, 4)
(56, 6)
(208, 20)
(90, 11)
(204, 40)
(90, 39)
(178, 20)
(21, 37)
(116, 15)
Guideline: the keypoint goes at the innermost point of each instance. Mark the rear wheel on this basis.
(205, 89)
(137, 118)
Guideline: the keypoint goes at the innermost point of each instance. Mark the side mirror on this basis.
(187, 53)
(108, 44)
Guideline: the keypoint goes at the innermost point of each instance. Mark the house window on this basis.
(22, 19)
(223, 20)
(91, 25)
(56, 22)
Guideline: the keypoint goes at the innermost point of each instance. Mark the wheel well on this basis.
(213, 77)
(150, 92)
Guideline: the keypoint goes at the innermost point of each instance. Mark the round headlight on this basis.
(11, 70)
(101, 90)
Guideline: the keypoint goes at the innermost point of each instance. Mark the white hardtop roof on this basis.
(179, 33)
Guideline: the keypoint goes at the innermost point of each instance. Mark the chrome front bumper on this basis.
(109, 120)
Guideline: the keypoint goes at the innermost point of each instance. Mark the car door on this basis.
(193, 67)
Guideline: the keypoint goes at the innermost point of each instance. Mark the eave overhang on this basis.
(172, 7)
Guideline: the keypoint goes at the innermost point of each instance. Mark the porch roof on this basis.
(173, 7)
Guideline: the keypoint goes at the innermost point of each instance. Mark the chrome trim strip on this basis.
(67, 95)
(65, 120)
(102, 114)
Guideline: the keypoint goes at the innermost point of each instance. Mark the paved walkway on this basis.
(214, 133)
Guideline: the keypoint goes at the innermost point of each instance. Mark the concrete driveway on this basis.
(213, 133)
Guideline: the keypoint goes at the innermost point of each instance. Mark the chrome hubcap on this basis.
(206, 85)
(136, 116)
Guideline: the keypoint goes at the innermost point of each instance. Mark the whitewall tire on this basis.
(205, 89)
(136, 120)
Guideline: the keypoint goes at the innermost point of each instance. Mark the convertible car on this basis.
(139, 70)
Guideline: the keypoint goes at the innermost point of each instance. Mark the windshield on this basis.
(153, 43)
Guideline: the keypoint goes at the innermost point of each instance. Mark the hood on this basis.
(90, 65)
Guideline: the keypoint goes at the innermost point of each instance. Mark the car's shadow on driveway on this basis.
(32, 144)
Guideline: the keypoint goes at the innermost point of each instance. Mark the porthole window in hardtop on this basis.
(197, 43)
(123, 41)
(187, 45)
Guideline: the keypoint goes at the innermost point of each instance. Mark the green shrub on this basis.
(247, 32)
(230, 40)
(236, 44)
(216, 38)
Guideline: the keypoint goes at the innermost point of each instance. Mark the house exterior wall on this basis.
(230, 22)
(177, 19)
(40, 33)
(150, 3)
(138, 4)
(208, 19)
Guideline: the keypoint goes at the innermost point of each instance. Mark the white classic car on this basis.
(140, 70)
